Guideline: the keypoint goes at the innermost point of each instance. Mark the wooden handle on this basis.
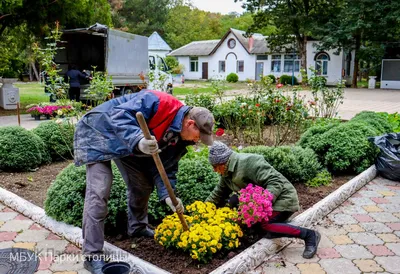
(160, 167)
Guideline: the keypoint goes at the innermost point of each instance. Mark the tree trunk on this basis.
(30, 73)
(356, 61)
(302, 46)
(35, 71)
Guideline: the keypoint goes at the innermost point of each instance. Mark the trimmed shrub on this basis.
(345, 147)
(58, 139)
(232, 78)
(21, 150)
(312, 136)
(287, 80)
(195, 181)
(374, 120)
(295, 163)
(65, 198)
(272, 77)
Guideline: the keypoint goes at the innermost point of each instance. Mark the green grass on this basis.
(195, 86)
(31, 93)
(364, 84)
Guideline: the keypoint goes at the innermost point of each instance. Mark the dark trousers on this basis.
(276, 226)
(99, 179)
(74, 93)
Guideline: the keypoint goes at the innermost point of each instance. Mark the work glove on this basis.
(179, 207)
(148, 146)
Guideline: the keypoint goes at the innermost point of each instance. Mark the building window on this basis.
(221, 67)
(291, 62)
(231, 43)
(194, 63)
(239, 66)
(262, 57)
(321, 63)
(276, 63)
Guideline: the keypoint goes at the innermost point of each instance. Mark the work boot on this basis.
(147, 232)
(94, 266)
(311, 242)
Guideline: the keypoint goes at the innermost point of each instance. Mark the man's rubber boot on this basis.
(94, 266)
(147, 232)
(311, 242)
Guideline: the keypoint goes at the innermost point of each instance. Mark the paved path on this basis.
(361, 236)
(56, 255)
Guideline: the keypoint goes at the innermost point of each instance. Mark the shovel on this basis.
(160, 167)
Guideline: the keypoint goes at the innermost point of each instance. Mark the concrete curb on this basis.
(73, 234)
(256, 254)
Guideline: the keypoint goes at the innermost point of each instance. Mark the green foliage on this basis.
(393, 119)
(344, 147)
(312, 136)
(200, 100)
(65, 198)
(374, 120)
(297, 164)
(326, 100)
(287, 80)
(195, 180)
(100, 88)
(323, 178)
(57, 138)
(172, 62)
(218, 87)
(20, 149)
(232, 77)
(272, 77)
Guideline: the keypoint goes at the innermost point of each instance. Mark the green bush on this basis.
(272, 77)
(312, 136)
(195, 181)
(393, 119)
(172, 62)
(21, 150)
(58, 139)
(345, 147)
(287, 80)
(323, 178)
(295, 163)
(374, 120)
(65, 198)
(200, 100)
(232, 78)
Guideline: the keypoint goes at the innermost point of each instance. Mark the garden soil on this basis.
(33, 186)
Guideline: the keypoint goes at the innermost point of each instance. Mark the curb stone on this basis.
(259, 252)
(244, 262)
(74, 234)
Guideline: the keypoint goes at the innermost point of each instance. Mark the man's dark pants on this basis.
(99, 177)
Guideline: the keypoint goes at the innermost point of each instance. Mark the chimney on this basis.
(251, 43)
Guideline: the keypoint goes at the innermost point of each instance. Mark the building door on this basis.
(204, 67)
(259, 70)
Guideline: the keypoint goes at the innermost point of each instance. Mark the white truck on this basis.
(124, 56)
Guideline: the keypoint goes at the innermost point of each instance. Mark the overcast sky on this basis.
(221, 6)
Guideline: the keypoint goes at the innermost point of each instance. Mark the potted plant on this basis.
(36, 112)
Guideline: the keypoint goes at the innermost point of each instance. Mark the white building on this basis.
(249, 58)
(157, 45)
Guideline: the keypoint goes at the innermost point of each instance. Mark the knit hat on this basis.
(219, 153)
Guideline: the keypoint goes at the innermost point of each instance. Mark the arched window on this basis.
(321, 63)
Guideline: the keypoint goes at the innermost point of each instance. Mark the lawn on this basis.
(191, 87)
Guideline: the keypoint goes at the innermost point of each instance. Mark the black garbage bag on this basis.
(388, 160)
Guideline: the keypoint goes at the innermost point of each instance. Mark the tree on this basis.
(364, 26)
(40, 13)
(142, 17)
(293, 20)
